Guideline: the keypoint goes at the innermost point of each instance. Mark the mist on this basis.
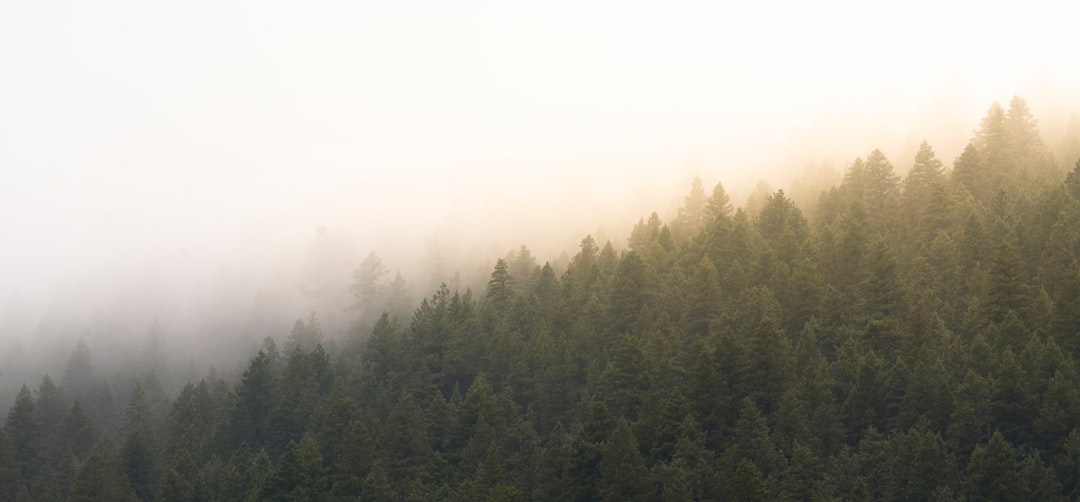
(222, 169)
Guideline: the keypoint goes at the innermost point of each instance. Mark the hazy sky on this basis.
(197, 128)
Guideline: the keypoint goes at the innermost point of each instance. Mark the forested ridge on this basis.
(895, 338)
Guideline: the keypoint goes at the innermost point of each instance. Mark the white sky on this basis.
(129, 125)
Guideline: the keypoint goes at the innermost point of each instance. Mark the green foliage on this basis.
(622, 469)
(993, 472)
(911, 341)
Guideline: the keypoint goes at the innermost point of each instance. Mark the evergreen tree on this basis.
(992, 472)
(622, 470)
(748, 484)
(1006, 290)
(718, 207)
(97, 482)
(10, 475)
(693, 214)
(703, 302)
(138, 457)
(630, 291)
(255, 396)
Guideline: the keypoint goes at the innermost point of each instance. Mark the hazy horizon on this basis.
(156, 156)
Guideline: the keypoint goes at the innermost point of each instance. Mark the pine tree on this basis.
(24, 429)
(801, 478)
(968, 172)
(10, 475)
(630, 291)
(78, 431)
(718, 208)
(783, 226)
(703, 302)
(748, 485)
(992, 472)
(622, 469)
(1006, 289)
(138, 457)
(97, 482)
(500, 287)
(238, 481)
(255, 397)
(693, 214)
(404, 442)
(768, 364)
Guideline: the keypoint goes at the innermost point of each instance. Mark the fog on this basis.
(221, 168)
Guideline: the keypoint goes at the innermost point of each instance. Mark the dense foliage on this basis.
(914, 338)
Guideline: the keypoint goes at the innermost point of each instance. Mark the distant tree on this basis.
(968, 171)
(880, 290)
(882, 188)
(80, 379)
(305, 335)
(1006, 289)
(24, 428)
(78, 431)
(718, 207)
(183, 482)
(768, 366)
(376, 486)
(926, 198)
(625, 380)
(802, 478)
(748, 483)
(1028, 156)
(98, 482)
(630, 290)
(783, 226)
(354, 458)
(306, 379)
(992, 472)
(238, 480)
(297, 475)
(256, 394)
(622, 469)
(523, 268)
(369, 284)
(926, 171)
(592, 433)
(703, 302)
(693, 214)
(138, 455)
(922, 465)
(754, 441)
(404, 442)
(10, 473)
(500, 288)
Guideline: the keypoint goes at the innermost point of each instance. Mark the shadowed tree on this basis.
(97, 482)
(10, 476)
(24, 429)
(703, 299)
(992, 472)
(622, 470)
(1006, 290)
(630, 291)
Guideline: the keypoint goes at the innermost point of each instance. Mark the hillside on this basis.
(910, 338)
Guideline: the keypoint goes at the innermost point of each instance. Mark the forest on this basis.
(891, 337)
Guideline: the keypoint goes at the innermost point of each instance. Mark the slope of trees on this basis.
(916, 338)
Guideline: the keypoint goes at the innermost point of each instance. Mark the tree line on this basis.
(915, 338)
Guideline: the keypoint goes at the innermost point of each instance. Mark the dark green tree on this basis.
(622, 469)
(98, 482)
(24, 429)
(992, 472)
